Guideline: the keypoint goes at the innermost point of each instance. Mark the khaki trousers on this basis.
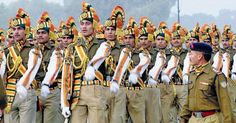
(173, 98)
(215, 118)
(23, 110)
(136, 105)
(51, 108)
(117, 105)
(92, 106)
(153, 105)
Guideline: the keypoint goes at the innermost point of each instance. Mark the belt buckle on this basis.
(198, 114)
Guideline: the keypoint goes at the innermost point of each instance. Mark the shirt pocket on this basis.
(206, 89)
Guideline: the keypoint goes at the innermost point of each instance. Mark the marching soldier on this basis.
(162, 40)
(227, 65)
(117, 100)
(151, 90)
(48, 106)
(81, 73)
(140, 59)
(69, 35)
(47, 74)
(172, 75)
(130, 38)
(22, 66)
(208, 95)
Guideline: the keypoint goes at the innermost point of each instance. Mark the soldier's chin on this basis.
(18, 39)
(41, 41)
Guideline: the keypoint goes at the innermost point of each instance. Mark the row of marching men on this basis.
(104, 73)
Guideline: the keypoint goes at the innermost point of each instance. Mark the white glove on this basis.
(45, 91)
(151, 81)
(233, 76)
(89, 73)
(114, 87)
(185, 79)
(133, 78)
(22, 91)
(66, 112)
(165, 78)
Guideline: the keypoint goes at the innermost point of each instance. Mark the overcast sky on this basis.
(211, 7)
(188, 7)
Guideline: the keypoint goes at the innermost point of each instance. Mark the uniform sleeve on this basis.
(185, 113)
(223, 98)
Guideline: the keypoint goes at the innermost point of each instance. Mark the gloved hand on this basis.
(152, 81)
(165, 78)
(66, 112)
(89, 73)
(114, 87)
(22, 91)
(233, 76)
(44, 91)
(133, 78)
(185, 79)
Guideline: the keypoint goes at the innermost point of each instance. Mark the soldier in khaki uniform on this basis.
(82, 81)
(152, 91)
(140, 59)
(227, 65)
(50, 93)
(22, 66)
(130, 40)
(162, 40)
(208, 96)
(116, 98)
(172, 76)
(68, 35)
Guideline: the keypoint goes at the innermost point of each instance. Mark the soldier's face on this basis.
(67, 40)
(160, 42)
(190, 41)
(216, 41)
(86, 28)
(195, 57)
(18, 33)
(225, 43)
(59, 40)
(31, 41)
(110, 33)
(207, 42)
(42, 36)
(176, 42)
(10, 41)
(129, 40)
(144, 42)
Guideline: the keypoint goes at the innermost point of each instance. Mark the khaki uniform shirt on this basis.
(23, 52)
(207, 91)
